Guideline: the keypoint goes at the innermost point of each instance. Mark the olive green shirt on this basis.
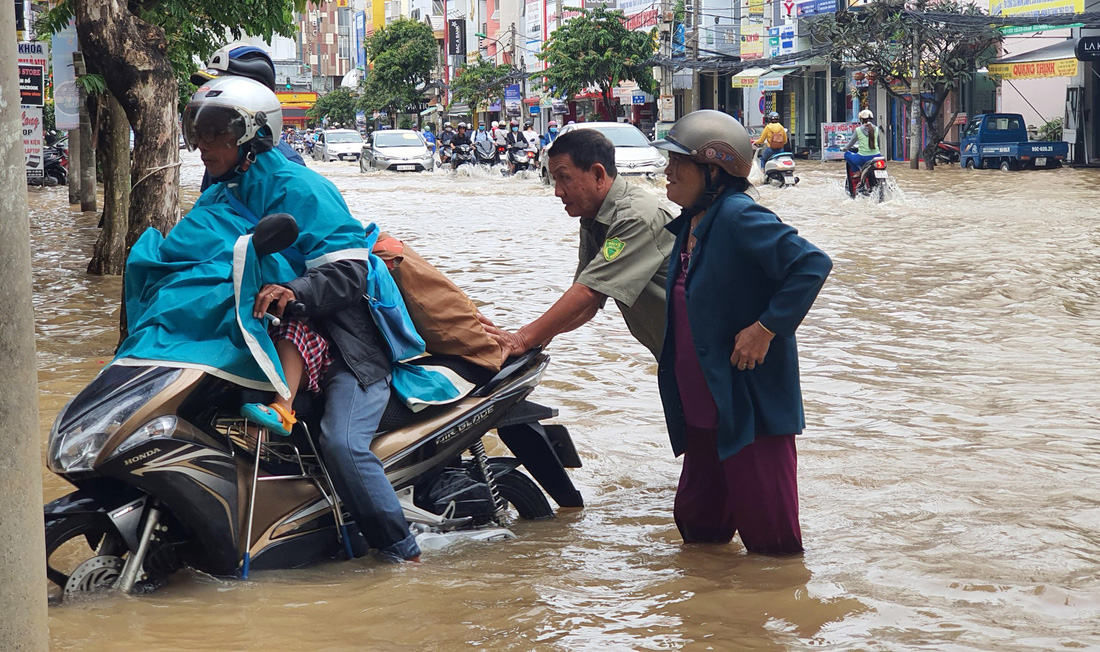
(624, 255)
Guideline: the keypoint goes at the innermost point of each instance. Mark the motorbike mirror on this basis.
(274, 233)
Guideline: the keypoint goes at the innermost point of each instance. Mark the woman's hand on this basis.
(750, 346)
(273, 297)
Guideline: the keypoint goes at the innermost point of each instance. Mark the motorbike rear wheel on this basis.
(74, 540)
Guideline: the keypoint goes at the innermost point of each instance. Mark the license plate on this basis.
(406, 168)
(880, 174)
(1042, 160)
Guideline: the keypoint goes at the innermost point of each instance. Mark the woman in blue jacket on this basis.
(739, 284)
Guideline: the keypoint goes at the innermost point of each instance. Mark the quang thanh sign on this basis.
(1032, 8)
(1034, 69)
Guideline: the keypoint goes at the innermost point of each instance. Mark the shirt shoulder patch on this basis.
(612, 248)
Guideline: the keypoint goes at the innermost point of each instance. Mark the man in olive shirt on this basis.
(624, 247)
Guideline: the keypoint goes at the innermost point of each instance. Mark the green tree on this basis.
(596, 49)
(337, 106)
(402, 56)
(883, 40)
(478, 83)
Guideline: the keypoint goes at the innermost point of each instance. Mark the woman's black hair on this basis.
(716, 185)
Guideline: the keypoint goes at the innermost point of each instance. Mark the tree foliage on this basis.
(402, 56)
(337, 106)
(596, 49)
(478, 83)
(881, 39)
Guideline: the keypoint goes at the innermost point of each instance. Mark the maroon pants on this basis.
(754, 493)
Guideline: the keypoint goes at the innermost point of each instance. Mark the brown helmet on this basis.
(710, 136)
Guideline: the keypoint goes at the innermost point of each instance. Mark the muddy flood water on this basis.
(949, 488)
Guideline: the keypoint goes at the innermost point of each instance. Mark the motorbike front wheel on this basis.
(83, 555)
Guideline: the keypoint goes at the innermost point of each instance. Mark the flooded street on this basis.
(949, 491)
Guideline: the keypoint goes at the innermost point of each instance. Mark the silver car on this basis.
(634, 154)
(402, 150)
(337, 144)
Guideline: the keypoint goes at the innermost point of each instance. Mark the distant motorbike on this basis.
(947, 152)
(870, 180)
(462, 155)
(522, 157)
(56, 162)
(779, 169)
(486, 152)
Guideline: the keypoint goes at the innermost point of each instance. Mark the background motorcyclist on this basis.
(446, 135)
(429, 138)
(252, 63)
(232, 121)
(481, 134)
(532, 136)
(773, 138)
(515, 140)
(461, 137)
(862, 147)
(499, 134)
(551, 133)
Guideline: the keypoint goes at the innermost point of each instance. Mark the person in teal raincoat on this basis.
(231, 121)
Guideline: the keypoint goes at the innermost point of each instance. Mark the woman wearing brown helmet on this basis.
(739, 284)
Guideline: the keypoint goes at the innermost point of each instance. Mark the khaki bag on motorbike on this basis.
(442, 313)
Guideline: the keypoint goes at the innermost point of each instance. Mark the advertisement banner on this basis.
(512, 100)
(65, 96)
(756, 8)
(31, 85)
(835, 137)
(666, 108)
(32, 142)
(787, 36)
(752, 42)
(360, 36)
(456, 36)
(746, 81)
(1034, 69)
(1035, 8)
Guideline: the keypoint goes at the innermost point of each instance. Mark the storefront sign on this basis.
(32, 142)
(771, 84)
(834, 138)
(1087, 48)
(756, 7)
(1035, 8)
(30, 85)
(815, 7)
(752, 42)
(746, 81)
(456, 32)
(1034, 69)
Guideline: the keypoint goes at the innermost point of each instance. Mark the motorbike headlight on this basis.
(74, 446)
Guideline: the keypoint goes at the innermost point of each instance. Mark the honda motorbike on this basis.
(870, 180)
(446, 152)
(462, 155)
(168, 474)
(486, 152)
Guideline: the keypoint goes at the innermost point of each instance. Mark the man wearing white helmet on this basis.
(862, 147)
(232, 121)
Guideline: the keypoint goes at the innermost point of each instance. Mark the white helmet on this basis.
(236, 105)
(495, 124)
(866, 114)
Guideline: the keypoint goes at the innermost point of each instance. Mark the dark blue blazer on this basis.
(747, 266)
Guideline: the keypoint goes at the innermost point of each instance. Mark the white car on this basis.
(338, 144)
(634, 154)
(402, 150)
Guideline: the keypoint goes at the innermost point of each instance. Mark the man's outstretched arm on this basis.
(578, 305)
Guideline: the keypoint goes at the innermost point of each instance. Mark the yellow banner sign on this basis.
(752, 41)
(296, 98)
(756, 7)
(748, 81)
(1035, 7)
(1034, 69)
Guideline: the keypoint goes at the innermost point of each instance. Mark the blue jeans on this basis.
(352, 414)
(766, 154)
(857, 161)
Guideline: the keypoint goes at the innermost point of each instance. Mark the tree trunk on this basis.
(109, 256)
(142, 80)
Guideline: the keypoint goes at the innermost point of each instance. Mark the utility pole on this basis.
(914, 91)
(87, 145)
(74, 156)
(695, 54)
(22, 549)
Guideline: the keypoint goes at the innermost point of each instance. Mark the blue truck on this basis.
(999, 140)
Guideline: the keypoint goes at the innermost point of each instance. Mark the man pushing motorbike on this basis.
(337, 347)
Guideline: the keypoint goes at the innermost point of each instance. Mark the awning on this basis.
(430, 110)
(748, 78)
(1057, 60)
(458, 109)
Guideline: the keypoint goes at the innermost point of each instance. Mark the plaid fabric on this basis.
(313, 347)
